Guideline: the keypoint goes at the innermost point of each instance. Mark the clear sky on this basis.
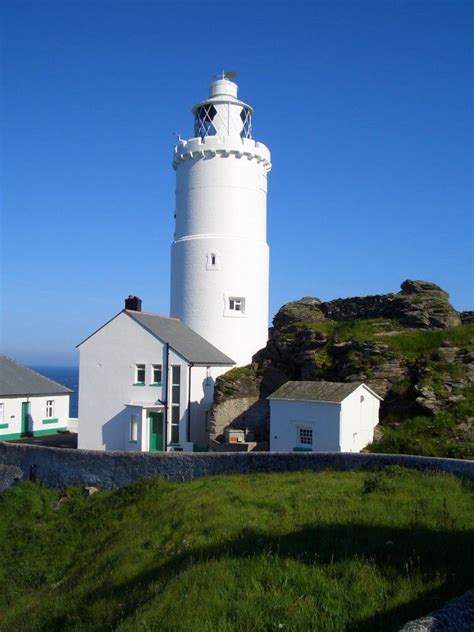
(365, 105)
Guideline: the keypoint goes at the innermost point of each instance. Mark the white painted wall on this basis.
(106, 388)
(287, 416)
(359, 419)
(221, 193)
(37, 417)
(345, 427)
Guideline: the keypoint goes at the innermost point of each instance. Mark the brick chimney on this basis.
(134, 303)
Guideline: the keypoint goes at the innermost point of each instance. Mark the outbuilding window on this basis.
(305, 436)
(49, 408)
(1, 413)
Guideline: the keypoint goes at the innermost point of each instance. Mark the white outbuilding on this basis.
(323, 416)
(30, 403)
(146, 383)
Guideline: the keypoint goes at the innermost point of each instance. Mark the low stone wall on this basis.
(58, 468)
(9, 475)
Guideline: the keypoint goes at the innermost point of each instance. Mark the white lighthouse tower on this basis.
(220, 255)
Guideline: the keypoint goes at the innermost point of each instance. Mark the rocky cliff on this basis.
(411, 347)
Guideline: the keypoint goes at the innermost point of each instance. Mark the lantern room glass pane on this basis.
(246, 117)
(203, 121)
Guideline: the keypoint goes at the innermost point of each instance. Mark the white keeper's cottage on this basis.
(146, 383)
(30, 403)
(323, 416)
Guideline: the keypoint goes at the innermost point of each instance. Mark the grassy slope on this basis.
(321, 551)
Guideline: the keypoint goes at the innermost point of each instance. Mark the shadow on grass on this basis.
(396, 551)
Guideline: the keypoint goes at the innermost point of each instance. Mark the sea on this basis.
(65, 375)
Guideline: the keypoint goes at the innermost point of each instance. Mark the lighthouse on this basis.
(220, 255)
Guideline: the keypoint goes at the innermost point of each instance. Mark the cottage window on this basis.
(305, 436)
(156, 374)
(139, 374)
(237, 304)
(49, 408)
(133, 429)
(1, 413)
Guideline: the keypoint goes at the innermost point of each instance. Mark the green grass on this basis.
(307, 551)
(408, 342)
(237, 373)
(440, 435)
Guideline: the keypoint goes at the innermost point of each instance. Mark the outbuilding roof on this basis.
(333, 392)
(16, 379)
(185, 341)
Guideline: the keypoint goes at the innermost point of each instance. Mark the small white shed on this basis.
(323, 416)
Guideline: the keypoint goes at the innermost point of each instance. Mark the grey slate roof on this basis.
(190, 345)
(16, 379)
(334, 392)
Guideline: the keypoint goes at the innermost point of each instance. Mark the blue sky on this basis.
(366, 107)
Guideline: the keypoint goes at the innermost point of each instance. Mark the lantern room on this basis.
(222, 114)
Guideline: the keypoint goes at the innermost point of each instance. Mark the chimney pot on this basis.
(133, 303)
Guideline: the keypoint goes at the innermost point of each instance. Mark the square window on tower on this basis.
(237, 304)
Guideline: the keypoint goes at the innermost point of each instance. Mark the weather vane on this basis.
(229, 74)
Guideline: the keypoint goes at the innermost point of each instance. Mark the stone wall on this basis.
(58, 468)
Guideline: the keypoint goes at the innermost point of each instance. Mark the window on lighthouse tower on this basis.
(203, 122)
(212, 261)
(246, 117)
(237, 304)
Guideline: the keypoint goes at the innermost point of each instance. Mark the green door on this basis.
(155, 421)
(25, 417)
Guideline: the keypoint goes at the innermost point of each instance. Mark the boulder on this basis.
(306, 309)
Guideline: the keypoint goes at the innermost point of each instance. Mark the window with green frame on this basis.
(156, 373)
(139, 374)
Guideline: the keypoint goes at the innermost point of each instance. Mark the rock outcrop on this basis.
(419, 304)
(411, 347)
